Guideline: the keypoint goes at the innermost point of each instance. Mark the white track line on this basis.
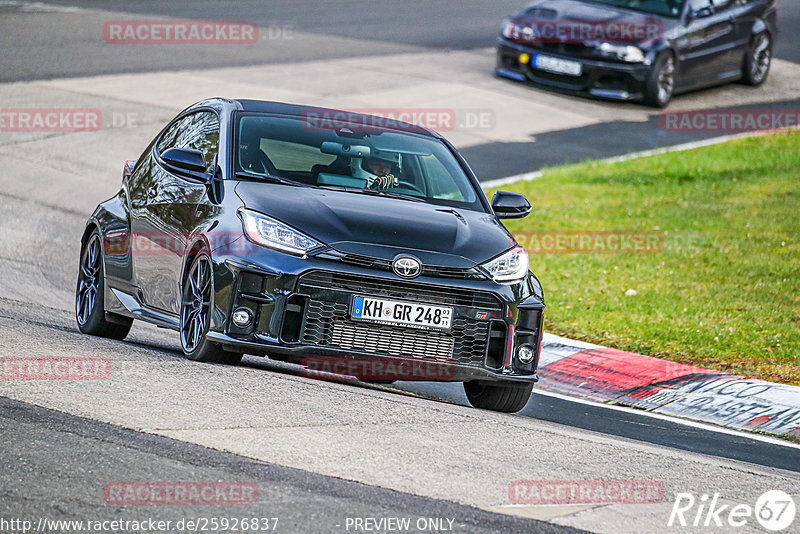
(671, 419)
(528, 176)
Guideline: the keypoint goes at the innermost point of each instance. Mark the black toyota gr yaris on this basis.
(317, 237)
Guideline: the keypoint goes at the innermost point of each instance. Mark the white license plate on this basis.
(407, 314)
(559, 66)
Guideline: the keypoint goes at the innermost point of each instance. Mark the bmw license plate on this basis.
(557, 65)
(408, 314)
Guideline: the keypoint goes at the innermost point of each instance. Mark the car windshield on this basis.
(351, 157)
(666, 8)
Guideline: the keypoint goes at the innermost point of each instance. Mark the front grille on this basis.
(379, 287)
(386, 265)
(567, 49)
(392, 341)
(328, 324)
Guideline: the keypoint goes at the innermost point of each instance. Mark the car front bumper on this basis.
(300, 310)
(602, 79)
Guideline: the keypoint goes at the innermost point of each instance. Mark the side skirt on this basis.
(137, 310)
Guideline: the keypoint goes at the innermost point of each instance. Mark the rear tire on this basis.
(758, 60)
(660, 84)
(506, 397)
(89, 294)
(197, 303)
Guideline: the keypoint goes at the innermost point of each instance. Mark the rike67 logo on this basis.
(775, 510)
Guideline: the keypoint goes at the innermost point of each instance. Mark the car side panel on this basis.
(707, 52)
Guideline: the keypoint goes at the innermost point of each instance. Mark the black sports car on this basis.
(314, 235)
(638, 49)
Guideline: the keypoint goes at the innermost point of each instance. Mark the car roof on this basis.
(281, 108)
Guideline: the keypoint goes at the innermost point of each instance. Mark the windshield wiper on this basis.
(391, 194)
(269, 178)
(374, 192)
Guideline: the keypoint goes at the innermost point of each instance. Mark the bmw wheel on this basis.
(89, 306)
(660, 85)
(197, 304)
(758, 60)
(498, 396)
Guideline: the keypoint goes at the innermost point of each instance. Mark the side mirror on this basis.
(187, 159)
(700, 13)
(508, 205)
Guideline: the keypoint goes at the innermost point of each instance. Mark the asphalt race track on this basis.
(361, 32)
(320, 452)
(360, 29)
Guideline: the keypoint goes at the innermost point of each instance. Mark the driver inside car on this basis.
(376, 170)
(252, 158)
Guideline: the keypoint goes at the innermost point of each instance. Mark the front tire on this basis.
(758, 60)
(197, 303)
(89, 306)
(660, 84)
(505, 397)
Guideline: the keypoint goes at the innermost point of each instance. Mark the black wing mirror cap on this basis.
(187, 159)
(508, 205)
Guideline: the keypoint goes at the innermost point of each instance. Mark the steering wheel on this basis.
(409, 185)
(260, 159)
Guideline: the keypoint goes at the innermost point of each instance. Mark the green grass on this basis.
(722, 293)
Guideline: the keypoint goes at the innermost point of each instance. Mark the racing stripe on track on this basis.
(739, 403)
(556, 348)
(606, 374)
(555, 352)
(670, 388)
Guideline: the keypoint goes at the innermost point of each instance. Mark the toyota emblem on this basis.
(406, 267)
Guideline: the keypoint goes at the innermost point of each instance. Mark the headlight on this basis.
(268, 232)
(510, 266)
(629, 54)
(509, 29)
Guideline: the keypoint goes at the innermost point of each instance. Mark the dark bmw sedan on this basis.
(645, 50)
(347, 243)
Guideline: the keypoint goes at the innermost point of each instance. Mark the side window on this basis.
(721, 5)
(141, 181)
(199, 131)
(440, 182)
(697, 5)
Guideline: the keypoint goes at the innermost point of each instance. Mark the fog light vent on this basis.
(526, 354)
(242, 317)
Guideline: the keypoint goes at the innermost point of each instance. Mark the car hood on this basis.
(573, 10)
(381, 227)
